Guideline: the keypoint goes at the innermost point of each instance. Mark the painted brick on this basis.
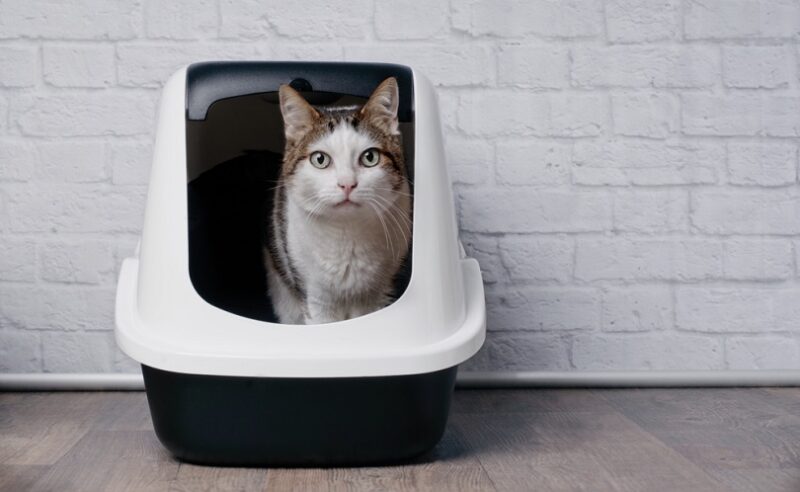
(85, 262)
(577, 116)
(781, 116)
(125, 248)
(19, 65)
(516, 18)
(652, 211)
(645, 66)
(470, 160)
(633, 21)
(20, 351)
(413, 19)
(499, 211)
(88, 19)
(4, 213)
(243, 19)
(533, 163)
(71, 161)
(537, 258)
(130, 162)
(495, 113)
(67, 114)
(758, 259)
(762, 164)
(317, 19)
(752, 353)
(533, 66)
(796, 245)
(68, 308)
(640, 308)
(448, 109)
(651, 115)
(744, 115)
(543, 309)
(451, 65)
(181, 19)
(723, 19)
(307, 51)
(3, 113)
(78, 352)
(17, 260)
(485, 250)
(746, 212)
(653, 259)
(75, 208)
(123, 363)
(721, 115)
(757, 66)
(16, 159)
(646, 352)
(150, 65)
(79, 65)
(624, 162)
(737, 309)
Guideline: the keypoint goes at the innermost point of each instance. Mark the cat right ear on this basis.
(298, 115)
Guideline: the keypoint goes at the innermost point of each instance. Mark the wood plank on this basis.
(577, 451)
(718, 429)
(39, 428)
(760, 480)
(112, 460)
(528, 400)
(193, 478)
(451, 466)
(14, 478)
(786, 398)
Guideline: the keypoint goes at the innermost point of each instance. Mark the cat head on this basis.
(343, 161)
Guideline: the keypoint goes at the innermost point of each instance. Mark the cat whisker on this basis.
(393, 210)
(318, 202)
(393, 207)
(397, 192)
(391, 216)
(389, 242)
(278, 186)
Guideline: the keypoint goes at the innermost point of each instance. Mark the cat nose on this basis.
(348, 188)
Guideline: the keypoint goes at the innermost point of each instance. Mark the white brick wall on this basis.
(626, 171)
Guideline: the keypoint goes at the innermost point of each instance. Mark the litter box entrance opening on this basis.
(233, 163)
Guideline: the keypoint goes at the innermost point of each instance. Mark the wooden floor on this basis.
(595, 440)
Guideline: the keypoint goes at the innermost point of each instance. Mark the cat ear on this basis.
(298, 115)
(381, 108)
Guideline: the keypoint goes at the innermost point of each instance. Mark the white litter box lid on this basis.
(161, 320)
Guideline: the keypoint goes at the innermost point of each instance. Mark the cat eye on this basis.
(320, 160)
(370, 157)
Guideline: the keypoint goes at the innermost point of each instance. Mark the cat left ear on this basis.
(298, 115)
(381, 108)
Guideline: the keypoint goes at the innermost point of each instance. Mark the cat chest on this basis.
(341, 263)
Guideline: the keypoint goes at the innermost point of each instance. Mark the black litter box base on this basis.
(221, 420)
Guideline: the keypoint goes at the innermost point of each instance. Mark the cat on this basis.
(341, 212)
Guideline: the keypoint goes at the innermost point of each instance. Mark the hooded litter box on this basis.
(225, 382)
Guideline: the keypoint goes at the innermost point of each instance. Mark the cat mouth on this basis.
(346, 203)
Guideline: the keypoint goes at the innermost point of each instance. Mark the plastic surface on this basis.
(298, 421)
(212, 81)
(162, 322)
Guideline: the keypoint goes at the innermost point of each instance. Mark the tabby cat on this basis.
(341, 216)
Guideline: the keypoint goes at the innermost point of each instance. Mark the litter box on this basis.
(226, 383)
